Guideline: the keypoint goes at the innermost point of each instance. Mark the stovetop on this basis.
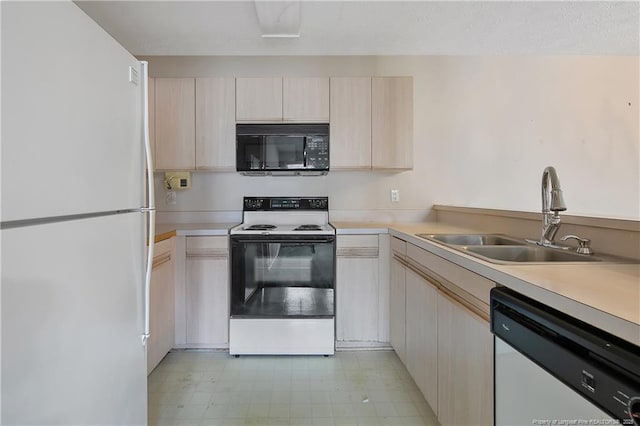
(284, 229)
(285, 215)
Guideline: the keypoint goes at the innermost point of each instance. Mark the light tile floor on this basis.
(350, 388)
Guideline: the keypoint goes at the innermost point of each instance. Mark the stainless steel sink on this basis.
(473, 239)
(504, 249)
(508, 254)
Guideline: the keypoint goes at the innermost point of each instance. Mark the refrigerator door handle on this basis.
(151, 207)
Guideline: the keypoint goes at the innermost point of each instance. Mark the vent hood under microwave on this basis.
(282, 149)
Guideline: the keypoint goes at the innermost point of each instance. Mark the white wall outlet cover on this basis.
(171, 198)
(133, 75)
(395, 195)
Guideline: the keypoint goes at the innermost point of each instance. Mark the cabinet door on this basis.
(465, 363)
(207, 292)
(357, 299)
(215, 123)
(392, 122)
(175, 123)
(397, 309)
(305, 99)
(350, 130)
(207, 301)
(357, 288)
(422, 336)
(161, 305)
(259, 99)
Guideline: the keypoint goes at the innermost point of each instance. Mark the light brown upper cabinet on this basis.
(350, 129)
(305, 99)
(277, 99)
(215, 124)
(392, 123)
(175, 123)
(259, 99)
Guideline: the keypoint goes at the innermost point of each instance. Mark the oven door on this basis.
(282, 276)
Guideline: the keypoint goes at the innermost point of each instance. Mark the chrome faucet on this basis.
(552, 205)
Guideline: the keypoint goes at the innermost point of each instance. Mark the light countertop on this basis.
(606, 295)
(168, 230)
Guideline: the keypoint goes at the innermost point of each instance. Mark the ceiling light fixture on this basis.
(278, 19)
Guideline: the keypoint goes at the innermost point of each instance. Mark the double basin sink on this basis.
(497, 248)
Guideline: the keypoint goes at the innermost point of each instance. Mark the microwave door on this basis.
(284, 152)
(250, 153)
(271, 153)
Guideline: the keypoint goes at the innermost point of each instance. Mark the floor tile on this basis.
(354, 388)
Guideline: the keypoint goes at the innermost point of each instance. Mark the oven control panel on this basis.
(285, 203)
(253, 203)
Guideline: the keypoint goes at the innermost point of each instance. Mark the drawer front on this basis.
(468, 281)
(207, 246)
(399, 246)
(162, 248)
(357, 246)
(357, 241)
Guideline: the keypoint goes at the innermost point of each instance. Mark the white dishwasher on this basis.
(551, 369)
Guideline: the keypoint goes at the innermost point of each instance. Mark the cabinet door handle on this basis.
(443, 290)
(161, 260)
(474, 310)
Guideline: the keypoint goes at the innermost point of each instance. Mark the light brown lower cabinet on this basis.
(398, 309)
(422, 335)
(362, 291)
(207, 292)
(357, 298)
(161, 304)
(465, 366)
(440, 331)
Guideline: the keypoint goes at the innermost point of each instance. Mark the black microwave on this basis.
(282, 149)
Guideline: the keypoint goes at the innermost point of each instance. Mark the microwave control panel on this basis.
(317, 152)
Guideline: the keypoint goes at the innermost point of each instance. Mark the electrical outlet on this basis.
(171, 198)
(395, 195)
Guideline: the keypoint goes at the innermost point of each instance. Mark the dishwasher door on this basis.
(552, 369)
(525, 394)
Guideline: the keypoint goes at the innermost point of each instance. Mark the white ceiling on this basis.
(375, 28)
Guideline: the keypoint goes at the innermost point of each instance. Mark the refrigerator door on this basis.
(71, 119)
(71, 323)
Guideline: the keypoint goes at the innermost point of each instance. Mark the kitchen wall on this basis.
(484, 129)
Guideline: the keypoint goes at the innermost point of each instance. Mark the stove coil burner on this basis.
(308, 228)
(259, 227)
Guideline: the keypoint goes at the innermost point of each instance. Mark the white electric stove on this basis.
(283, 278)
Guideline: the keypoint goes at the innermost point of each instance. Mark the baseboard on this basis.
(362, 346)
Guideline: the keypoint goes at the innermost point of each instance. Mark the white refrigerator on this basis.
(74, 215)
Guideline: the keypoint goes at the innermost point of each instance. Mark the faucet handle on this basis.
(584, 244)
